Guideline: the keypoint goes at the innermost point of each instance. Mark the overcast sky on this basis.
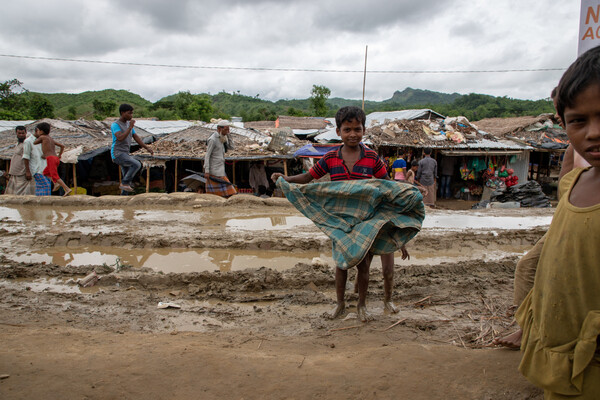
(402, 35)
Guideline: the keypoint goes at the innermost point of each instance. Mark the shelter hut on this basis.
(182, 153)
(473, 157)
(548, 139)
(304, 128)
(86, 162)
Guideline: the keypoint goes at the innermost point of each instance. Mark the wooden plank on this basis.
(176, 186)
(147, 179)
(74, 179)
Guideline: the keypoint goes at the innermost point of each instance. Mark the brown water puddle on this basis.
(208, 260)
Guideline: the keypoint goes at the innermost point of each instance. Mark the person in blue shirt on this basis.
(122, 133)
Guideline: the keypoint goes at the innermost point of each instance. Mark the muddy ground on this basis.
(248, 333)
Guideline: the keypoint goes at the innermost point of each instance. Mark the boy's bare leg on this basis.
(387, 266)
(341, 276)
(363, 286)
(64, 186)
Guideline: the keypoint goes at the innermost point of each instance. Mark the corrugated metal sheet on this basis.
(377, 118)
(11, 125)
(159, 128)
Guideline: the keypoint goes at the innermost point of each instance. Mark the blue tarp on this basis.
(314, 150)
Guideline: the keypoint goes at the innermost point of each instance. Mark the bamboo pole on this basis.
(75, 178)
(165, 177)
(365, 78)
(285, 171)
(176, 186)
(234, 172)
(147, 179)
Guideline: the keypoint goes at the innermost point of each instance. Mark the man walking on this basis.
(426, 176)
(19, 183)
(122, 133)
(214, 162)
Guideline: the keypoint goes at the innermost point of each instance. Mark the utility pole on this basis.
(365, 78)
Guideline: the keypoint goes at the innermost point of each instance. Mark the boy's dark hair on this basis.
(427, 151)
(585, 71)
(262, 189)
(125, 107)
(349, 113)
(414, 163)
(44, 127)
(20, 128)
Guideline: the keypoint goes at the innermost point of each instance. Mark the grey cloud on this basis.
(470, 30)
(371, 15)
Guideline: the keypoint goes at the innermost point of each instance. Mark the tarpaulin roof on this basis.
(315, 150)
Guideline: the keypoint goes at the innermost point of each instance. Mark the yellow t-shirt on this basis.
(560, 316)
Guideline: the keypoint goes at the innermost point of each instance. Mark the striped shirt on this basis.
(369, 165)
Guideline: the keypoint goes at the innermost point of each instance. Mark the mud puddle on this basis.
(169, 260)
(483, 222)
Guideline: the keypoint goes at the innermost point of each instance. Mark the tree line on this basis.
(17, 103)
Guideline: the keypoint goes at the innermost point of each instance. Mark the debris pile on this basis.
(441, 133)
(527, 194)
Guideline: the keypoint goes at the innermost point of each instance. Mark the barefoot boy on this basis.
(352, 161)
(560, 316)
(42, 132)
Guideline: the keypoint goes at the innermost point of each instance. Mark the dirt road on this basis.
(242, 330)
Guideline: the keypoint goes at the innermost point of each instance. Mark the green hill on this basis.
(83, 102)
(184, 105)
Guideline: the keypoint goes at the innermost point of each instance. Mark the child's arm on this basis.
(300, 178)
(38, 140)
(62, 148)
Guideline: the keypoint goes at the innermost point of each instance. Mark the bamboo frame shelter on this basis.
(190, 145)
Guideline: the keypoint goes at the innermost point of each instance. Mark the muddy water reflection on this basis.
(171, 260)
(207, 260)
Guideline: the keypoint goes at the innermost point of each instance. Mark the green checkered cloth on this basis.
(360, 215)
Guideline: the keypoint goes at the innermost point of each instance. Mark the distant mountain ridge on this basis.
(473, 106)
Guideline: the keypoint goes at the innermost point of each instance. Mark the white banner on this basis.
(589, 26)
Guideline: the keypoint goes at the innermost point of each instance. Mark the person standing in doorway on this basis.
(19, 182)
(426, 176)
(122, 133)
(447, 170)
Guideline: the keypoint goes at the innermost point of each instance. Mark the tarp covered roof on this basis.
(315, 150)
(450, 134)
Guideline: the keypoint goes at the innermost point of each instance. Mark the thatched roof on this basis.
(259, 124)
(542, 132)
(190, 144)
(285, 121)
(94, 137)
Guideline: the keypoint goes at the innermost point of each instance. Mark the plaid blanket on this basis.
(221, 187)
(359, 216)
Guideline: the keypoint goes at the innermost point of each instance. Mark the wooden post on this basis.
(233, 172)
(119, 175)
(176, 186)
(147, 179)
(75, 178)
(285, 171)
(165, 177)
